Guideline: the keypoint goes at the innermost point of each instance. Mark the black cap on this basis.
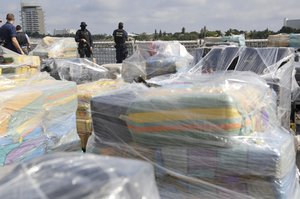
(121, 25)
(83, 24)
(18, 27)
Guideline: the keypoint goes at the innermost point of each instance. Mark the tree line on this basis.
(183, 35)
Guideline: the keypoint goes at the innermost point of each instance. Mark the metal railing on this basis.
(104, 52)
(257, 43)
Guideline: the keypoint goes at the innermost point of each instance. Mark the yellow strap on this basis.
(184, 114)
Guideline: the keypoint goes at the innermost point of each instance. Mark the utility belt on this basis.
(120, 46)
(83, 46)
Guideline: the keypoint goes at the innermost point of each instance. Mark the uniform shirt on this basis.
(7, 32)
(120, 36)
(22, 38)
(84, 34)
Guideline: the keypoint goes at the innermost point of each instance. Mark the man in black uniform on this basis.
(23, 39)
(120, 37)
(84, 39)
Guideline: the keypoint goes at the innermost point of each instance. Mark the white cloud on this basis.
(102, 16)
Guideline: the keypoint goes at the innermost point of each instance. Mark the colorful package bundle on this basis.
(209, 136)
(252, 166)
(73, 175)
(275, 65)
(15, 64)
(55, 47)
(37, 116)
(85, 94)
(154, 59)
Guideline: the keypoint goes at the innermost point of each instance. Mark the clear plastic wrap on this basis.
(72, 175)
(154, 59)
(279, 40)
(284, 40)
(78, 70)
(239, 40)
(85, 94)
(217, 59)
(208, 135)
(4, 51)
(234, 40)
(275, 65)
(13, 63)
(115, 69)
(294, 40)
(37, 116)
(56, 47)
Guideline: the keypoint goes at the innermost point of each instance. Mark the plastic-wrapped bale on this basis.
(107, 111)
(214, 137)
(275, 65)
(294, 40)
(78, 70)
(37, 116)
(239, 40)
(55, 47)
(154, 59)
(200, 53)
(12, 81)
(279, 40)
(114, 69)
(60, 105)
(213, 39)
(235, 40)
(215, 59)
(14, 63)
(176, 107)
(202, 109)
(249, 167)
(72, 176)
(85, 94)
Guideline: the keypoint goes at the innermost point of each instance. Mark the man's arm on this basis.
(91, 39)
(16, 44)
(28, 41)
(126, 35)
(77, 38)
(13, 34)
(114, 35)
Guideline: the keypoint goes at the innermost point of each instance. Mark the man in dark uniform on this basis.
(23, 39)
(85, 42)
(120, 37)
(8, 35)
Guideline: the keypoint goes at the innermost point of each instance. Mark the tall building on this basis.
(33, 18)
(64, 32)
(292, 23)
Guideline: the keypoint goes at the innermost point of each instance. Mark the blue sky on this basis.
(139, 16)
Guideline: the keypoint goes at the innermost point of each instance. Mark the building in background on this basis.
(292, 23)
(64, 32)
(32, 17)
